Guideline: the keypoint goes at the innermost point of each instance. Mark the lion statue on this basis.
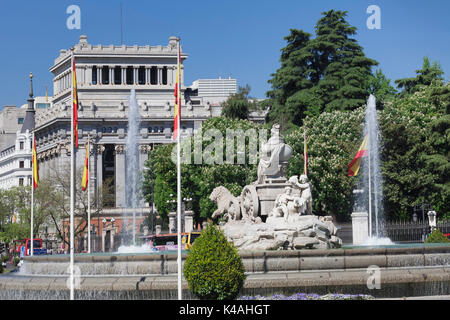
(227, 204)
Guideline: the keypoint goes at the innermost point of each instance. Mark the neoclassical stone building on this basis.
(105, 77)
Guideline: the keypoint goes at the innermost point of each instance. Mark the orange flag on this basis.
(85, 179)
(75, 103)
(353, 167)
(177, 94)
(35, 166)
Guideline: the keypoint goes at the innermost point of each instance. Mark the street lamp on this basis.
(424, 206)
(188, 203)
(171, 203)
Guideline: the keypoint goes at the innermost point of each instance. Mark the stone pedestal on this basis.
(172, 222)
(360, 227)
(157, 229)
(188, 221)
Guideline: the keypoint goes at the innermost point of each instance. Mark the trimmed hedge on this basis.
(213, 267)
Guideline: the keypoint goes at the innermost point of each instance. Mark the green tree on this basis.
(199, 179)
(381, 88)
(430, 73)
(413, 130)
(237, 106)
(333, 139)
(326, 73)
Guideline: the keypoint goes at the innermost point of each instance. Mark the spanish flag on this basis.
(363, 151)
(85, 179)
(177, 94)
(35, 166)
(75, 103)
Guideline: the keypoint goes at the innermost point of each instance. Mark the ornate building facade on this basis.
(105, 77)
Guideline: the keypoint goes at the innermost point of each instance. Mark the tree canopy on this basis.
(326, 73)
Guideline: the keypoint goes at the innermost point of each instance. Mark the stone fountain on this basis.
(274, 212)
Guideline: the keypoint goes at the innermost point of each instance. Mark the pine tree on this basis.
(329, 72)
(430, 73)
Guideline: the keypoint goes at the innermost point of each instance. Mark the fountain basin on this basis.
(158, 263)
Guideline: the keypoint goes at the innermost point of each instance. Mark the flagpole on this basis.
(179, 174)
(370, 191)
(72, 190)
(32, 201)
(304, 151)
(89, 192)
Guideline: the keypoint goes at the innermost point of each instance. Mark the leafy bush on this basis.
(16, 261)
(437, 237)
(5, 258)
(213, 267)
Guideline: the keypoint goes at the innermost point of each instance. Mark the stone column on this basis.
(172, 222)
(124, 74)
(111, 234)
(103, 239)
(135, 74)
(99, 75)
(99, 168)
(120, 175)
(360, 227)
(147, 75)
(89, 75)
(182, 74)
(111, 75)
(188, 221)
(160, 79)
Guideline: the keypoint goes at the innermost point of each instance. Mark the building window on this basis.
(21, 164)
(42, 105)
(20, 120)
(21, 145)
(153, 75)
(94, 75)
(105, 75)
(141, 75)
(164, 75)
(20, 181)
(130, 77)
(117, 75)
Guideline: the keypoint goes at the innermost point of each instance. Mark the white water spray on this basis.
(132, 159)
(372, 179)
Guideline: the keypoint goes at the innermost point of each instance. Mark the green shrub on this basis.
(437, 237)
(16, 261)
(213, 267)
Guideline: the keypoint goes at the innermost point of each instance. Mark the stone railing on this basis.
(254, 262)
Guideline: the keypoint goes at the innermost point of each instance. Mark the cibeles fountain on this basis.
(274, 212)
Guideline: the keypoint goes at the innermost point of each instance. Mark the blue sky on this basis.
(228, 37)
